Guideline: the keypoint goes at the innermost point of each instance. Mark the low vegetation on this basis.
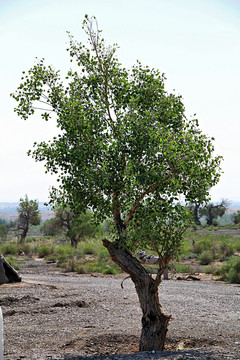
(214, 254)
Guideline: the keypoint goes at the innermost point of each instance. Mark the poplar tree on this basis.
(126, 151)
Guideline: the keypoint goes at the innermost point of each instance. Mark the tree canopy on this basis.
(125, 150)
(78, 227)
(213, 211)
(28, 214)
(124, 140)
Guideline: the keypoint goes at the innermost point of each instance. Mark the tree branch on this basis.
(94, 41)
(116, 213)
(149, 190)
(126, 261)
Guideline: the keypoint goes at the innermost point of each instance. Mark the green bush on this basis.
(215, 223)
(3, 232)
(214, 269)
(100, 267)
(9, 249)
(44, 250)
(182, 268)
(230, 272)
(206, 257)
(201, 246)
(25, 248)
(236, 217)
(13, 261)
(71, 265)
(226, 249)
(111, 270)
(64, 250)
(103, 254)
(88, 249)
(30, 239)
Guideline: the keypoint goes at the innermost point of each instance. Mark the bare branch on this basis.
(37, 108)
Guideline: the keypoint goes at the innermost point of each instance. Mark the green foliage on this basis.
(206, 257)
(226, 249)
(44, 250)
(32, 239)
(202, 245)
(51, 227)
(221, 247)
(103, 254)
(126, 149)
(215, 222)
(26, 249)
(213, 211)
(236, 217)
(91, 247)
(28, 214)
(182, 268)
(3, 221)
(230, 272)
(3, 231)
(62, 254)
(14, 262)
(83, 227)
(77, 227)
(158, 228)
(97, 267)
(9, 249)
(88, 249)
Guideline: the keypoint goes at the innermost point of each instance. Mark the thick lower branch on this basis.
(125, 260)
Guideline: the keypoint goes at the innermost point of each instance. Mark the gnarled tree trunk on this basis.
(154, 322)
(23, 235)
(74, 241)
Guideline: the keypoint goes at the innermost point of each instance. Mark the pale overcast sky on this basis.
(196, 43)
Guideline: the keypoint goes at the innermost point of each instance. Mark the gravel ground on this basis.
(54, 315)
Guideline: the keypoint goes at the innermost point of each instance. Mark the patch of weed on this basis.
(206, 257)
(9, 249)
(230, 272)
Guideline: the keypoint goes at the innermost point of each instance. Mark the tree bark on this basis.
(23, 235)
(154, 322)
(195, 212)
(74, 241)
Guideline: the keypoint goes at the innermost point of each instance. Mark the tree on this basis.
(51, 227)
(77, 227)
(213, 211)
(194, 208)
(127, 151)
(28, 214)
(3, 231)
(236, 217)
(3, 221)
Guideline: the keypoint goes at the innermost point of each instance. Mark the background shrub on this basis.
(9, 249)
(201, 245)
(230, 272)
(44, 250)
(206, 257)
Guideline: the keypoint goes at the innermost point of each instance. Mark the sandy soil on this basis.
(56, 315)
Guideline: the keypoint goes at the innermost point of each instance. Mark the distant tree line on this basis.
(76, 228)
(211, 212)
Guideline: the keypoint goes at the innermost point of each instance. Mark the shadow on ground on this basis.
(165, 355)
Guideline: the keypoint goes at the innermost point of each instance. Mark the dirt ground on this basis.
(57, 315)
